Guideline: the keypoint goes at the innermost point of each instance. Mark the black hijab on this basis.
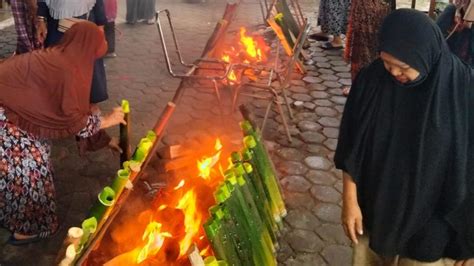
(409, 148)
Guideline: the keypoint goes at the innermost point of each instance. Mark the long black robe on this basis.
(409, 148)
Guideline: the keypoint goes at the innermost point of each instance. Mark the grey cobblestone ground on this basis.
(312, 187)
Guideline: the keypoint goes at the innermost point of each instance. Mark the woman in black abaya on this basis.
(406, 147)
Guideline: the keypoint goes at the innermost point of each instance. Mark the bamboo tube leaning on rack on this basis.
(261, 159)
(125, 134)
(222, 237)
(259, 195)
(262, 244)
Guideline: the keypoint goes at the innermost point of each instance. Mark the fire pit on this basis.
(201, 199)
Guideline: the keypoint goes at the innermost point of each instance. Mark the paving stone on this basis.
(285, 251)
(297, 82)
(328, 77)
(326, 71)
(302, 219)
(309, 62)
(301, 97)
(338, 185)
(318, 163)
(338, 63)
(319, 59)
(337, 91)
(298, 89)
(326, 111)
(321, 177)
(312, 73)
(303, 259)
(290, 154)
(319, 94)
(316, 87)
(312, 137)
(337, 255)
(339, 53)
(329, 121)
(311, 68)
(312, 79)
(333, 234)
(318, 149)
(295, 183)
(323, 102)
(292, 168)
(346, 82)
(342, 69)
(319, 52)
(309, 126)
(331, 144)
(339, 108)
(344, 75)
(323, 65)
(326, 194)
(296, 200)
(339, 100)
(305, 241)
(331, 132)
(283, 140)
(328, 212)
(306, 116)
(332, 84)
(309, 105)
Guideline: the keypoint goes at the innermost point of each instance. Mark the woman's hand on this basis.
(114, 118)
(41, 31)
(351, 212)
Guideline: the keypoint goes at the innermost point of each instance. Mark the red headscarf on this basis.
(46, 92)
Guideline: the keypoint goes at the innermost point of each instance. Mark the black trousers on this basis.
(109, 30)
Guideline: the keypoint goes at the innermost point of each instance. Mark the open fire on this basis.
(248, 50)
(176, 224)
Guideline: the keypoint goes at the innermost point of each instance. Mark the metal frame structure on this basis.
(193, 68)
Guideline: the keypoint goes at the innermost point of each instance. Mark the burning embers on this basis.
(248, 50)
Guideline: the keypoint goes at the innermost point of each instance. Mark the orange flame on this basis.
(154, 243)
(192, 220)
(250, 45)
(205, 165)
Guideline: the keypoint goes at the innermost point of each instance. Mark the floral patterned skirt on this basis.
(27, 195)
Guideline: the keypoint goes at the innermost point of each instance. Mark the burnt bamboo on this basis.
(159, 130)
(125, 134)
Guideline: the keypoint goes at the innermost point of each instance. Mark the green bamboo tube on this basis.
(255, 188)
(239, 212)
(280, 20)
(89, 226)
(221, 243)
(105, 200)
(234, 223)
(142, 150)
(258, 176)
(120, 181)
(265, 167)
(261, 242)
(125, 130)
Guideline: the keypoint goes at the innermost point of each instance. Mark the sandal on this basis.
(12, 240)
(330, 46)
(319, 36)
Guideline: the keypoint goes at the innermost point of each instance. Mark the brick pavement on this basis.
(312, 187)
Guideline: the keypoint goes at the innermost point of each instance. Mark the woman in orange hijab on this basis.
(44, 95)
